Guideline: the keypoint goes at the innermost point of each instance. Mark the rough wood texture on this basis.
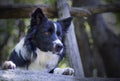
(90, 57)
(22, 75)
(96, 9)
(23, 11)
(71, 43)
(109, 46)
(83, 42)
(107, 43)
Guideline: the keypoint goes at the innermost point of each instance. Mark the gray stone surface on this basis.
(24, 75)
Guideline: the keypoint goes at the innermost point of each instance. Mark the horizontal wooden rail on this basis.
(91, 10)
(23, 11)
(22, 75)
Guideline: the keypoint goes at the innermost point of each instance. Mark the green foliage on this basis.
(35, 1)
(117, 14)
(64, 63)
(6, 36)
(112, 1)
(24, 1)
(118, 18)
(49, 2)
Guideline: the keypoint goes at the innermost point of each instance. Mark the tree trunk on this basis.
(83, 42)
(98, 62)
(107, 43)
(71, 43)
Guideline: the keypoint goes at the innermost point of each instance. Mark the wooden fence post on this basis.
(71, 43)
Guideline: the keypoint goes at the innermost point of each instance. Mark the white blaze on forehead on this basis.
(55, 26)
(57, 41)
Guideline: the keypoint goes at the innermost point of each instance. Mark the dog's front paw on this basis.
(8, 65)
(64, 71)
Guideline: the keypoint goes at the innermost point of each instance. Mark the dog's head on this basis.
(46, 34)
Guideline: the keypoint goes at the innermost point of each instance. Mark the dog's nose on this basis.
(58, 47)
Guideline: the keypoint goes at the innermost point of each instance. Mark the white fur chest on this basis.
(45, 61)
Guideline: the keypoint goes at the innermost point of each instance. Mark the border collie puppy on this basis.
(42, 48)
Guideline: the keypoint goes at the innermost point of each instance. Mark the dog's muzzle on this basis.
(57, 46)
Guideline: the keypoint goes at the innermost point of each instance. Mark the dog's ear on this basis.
(37, 17)
(65, 23)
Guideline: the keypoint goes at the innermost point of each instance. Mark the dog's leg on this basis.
(64, 71)
(8, 65)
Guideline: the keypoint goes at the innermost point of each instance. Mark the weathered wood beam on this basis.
(23, 75)
(71, 42)
(23, 11)
(92, 10)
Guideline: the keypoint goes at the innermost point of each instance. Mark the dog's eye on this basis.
(47, 33)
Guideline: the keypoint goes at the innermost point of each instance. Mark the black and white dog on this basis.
(42, 47)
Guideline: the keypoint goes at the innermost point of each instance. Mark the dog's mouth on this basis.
(57, 49)
(57, 52)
